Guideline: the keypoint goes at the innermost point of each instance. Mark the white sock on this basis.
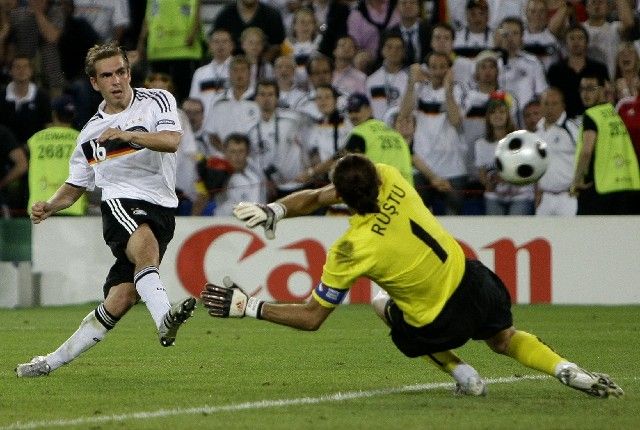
(563, 365)
(153, 293)
(462, 372)
(92, 330)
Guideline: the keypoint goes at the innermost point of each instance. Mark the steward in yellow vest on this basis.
(173, 36)
(375, 139)
(50, 151)
(607, 176)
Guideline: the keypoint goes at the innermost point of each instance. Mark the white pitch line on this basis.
(260, 404)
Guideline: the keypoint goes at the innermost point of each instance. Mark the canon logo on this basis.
(191, 269)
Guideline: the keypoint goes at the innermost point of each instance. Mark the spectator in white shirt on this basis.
(437, 139)
(327, 135)
(605, 36)
(542, 34)
(246, 183)
(289, 95)
(110, 19)
(522, 74)
(234, 111)
(414, 30)
(387, 85)
(303, 43)
(346, 78)
(560, 134)
(442, 37)
(320, 71)
(478, 93)
(253, 43)
(475, 35)
(498, 10)
(276, 145)
(212, 79)
(501, 198)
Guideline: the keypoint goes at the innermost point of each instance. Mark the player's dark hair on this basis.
(438, 54)
(445, 26)
(100, 52)
(531, 103)
(237, 138)
(268, 83)
(492, 106)
(590, 74)
(357, 183)
(331, 88)
(391, 35)
(318, 58)
(240, 59)
(513, 20)
(577, 27)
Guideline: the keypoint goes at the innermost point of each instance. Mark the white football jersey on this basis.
(277, 149)
(385, 90)
(122, 169)
(436, 141)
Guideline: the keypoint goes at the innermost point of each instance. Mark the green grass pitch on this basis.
(237, 374)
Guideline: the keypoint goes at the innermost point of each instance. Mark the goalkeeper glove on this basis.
(230, 301)
(259, 214)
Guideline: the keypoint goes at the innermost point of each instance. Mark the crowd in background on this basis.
(263, 90)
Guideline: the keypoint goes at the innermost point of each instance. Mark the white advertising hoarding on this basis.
(583, 260)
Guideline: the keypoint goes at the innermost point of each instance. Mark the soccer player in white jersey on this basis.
(128, 149)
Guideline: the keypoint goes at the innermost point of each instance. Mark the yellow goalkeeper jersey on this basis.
(403, 249)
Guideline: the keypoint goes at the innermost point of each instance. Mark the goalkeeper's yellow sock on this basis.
(445, 360)
(532, 352)
(450, 363)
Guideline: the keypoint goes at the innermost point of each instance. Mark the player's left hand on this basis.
(260, 214)
(229, 301)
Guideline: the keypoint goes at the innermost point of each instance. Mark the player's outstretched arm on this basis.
(63, 198)
(300, 203)
(230, 300)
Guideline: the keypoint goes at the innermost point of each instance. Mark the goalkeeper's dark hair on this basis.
(357, 183)
(100, 52)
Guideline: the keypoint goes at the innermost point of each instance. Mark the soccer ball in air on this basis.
(521, 157)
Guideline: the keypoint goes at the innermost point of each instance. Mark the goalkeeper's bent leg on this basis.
(531, 352)
(450, 363)
(445, 360)
(468, 381)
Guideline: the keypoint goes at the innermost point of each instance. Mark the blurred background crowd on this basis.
(269, 92)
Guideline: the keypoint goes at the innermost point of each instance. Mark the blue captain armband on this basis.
(330, 295)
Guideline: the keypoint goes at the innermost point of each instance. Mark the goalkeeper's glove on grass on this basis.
(230, 301)
(259, 214)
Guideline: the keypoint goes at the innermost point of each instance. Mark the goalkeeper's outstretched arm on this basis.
(300, 203)
(303, 316)
(305, 202)
(229, 300)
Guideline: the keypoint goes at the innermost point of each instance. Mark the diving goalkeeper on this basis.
(434, 300)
